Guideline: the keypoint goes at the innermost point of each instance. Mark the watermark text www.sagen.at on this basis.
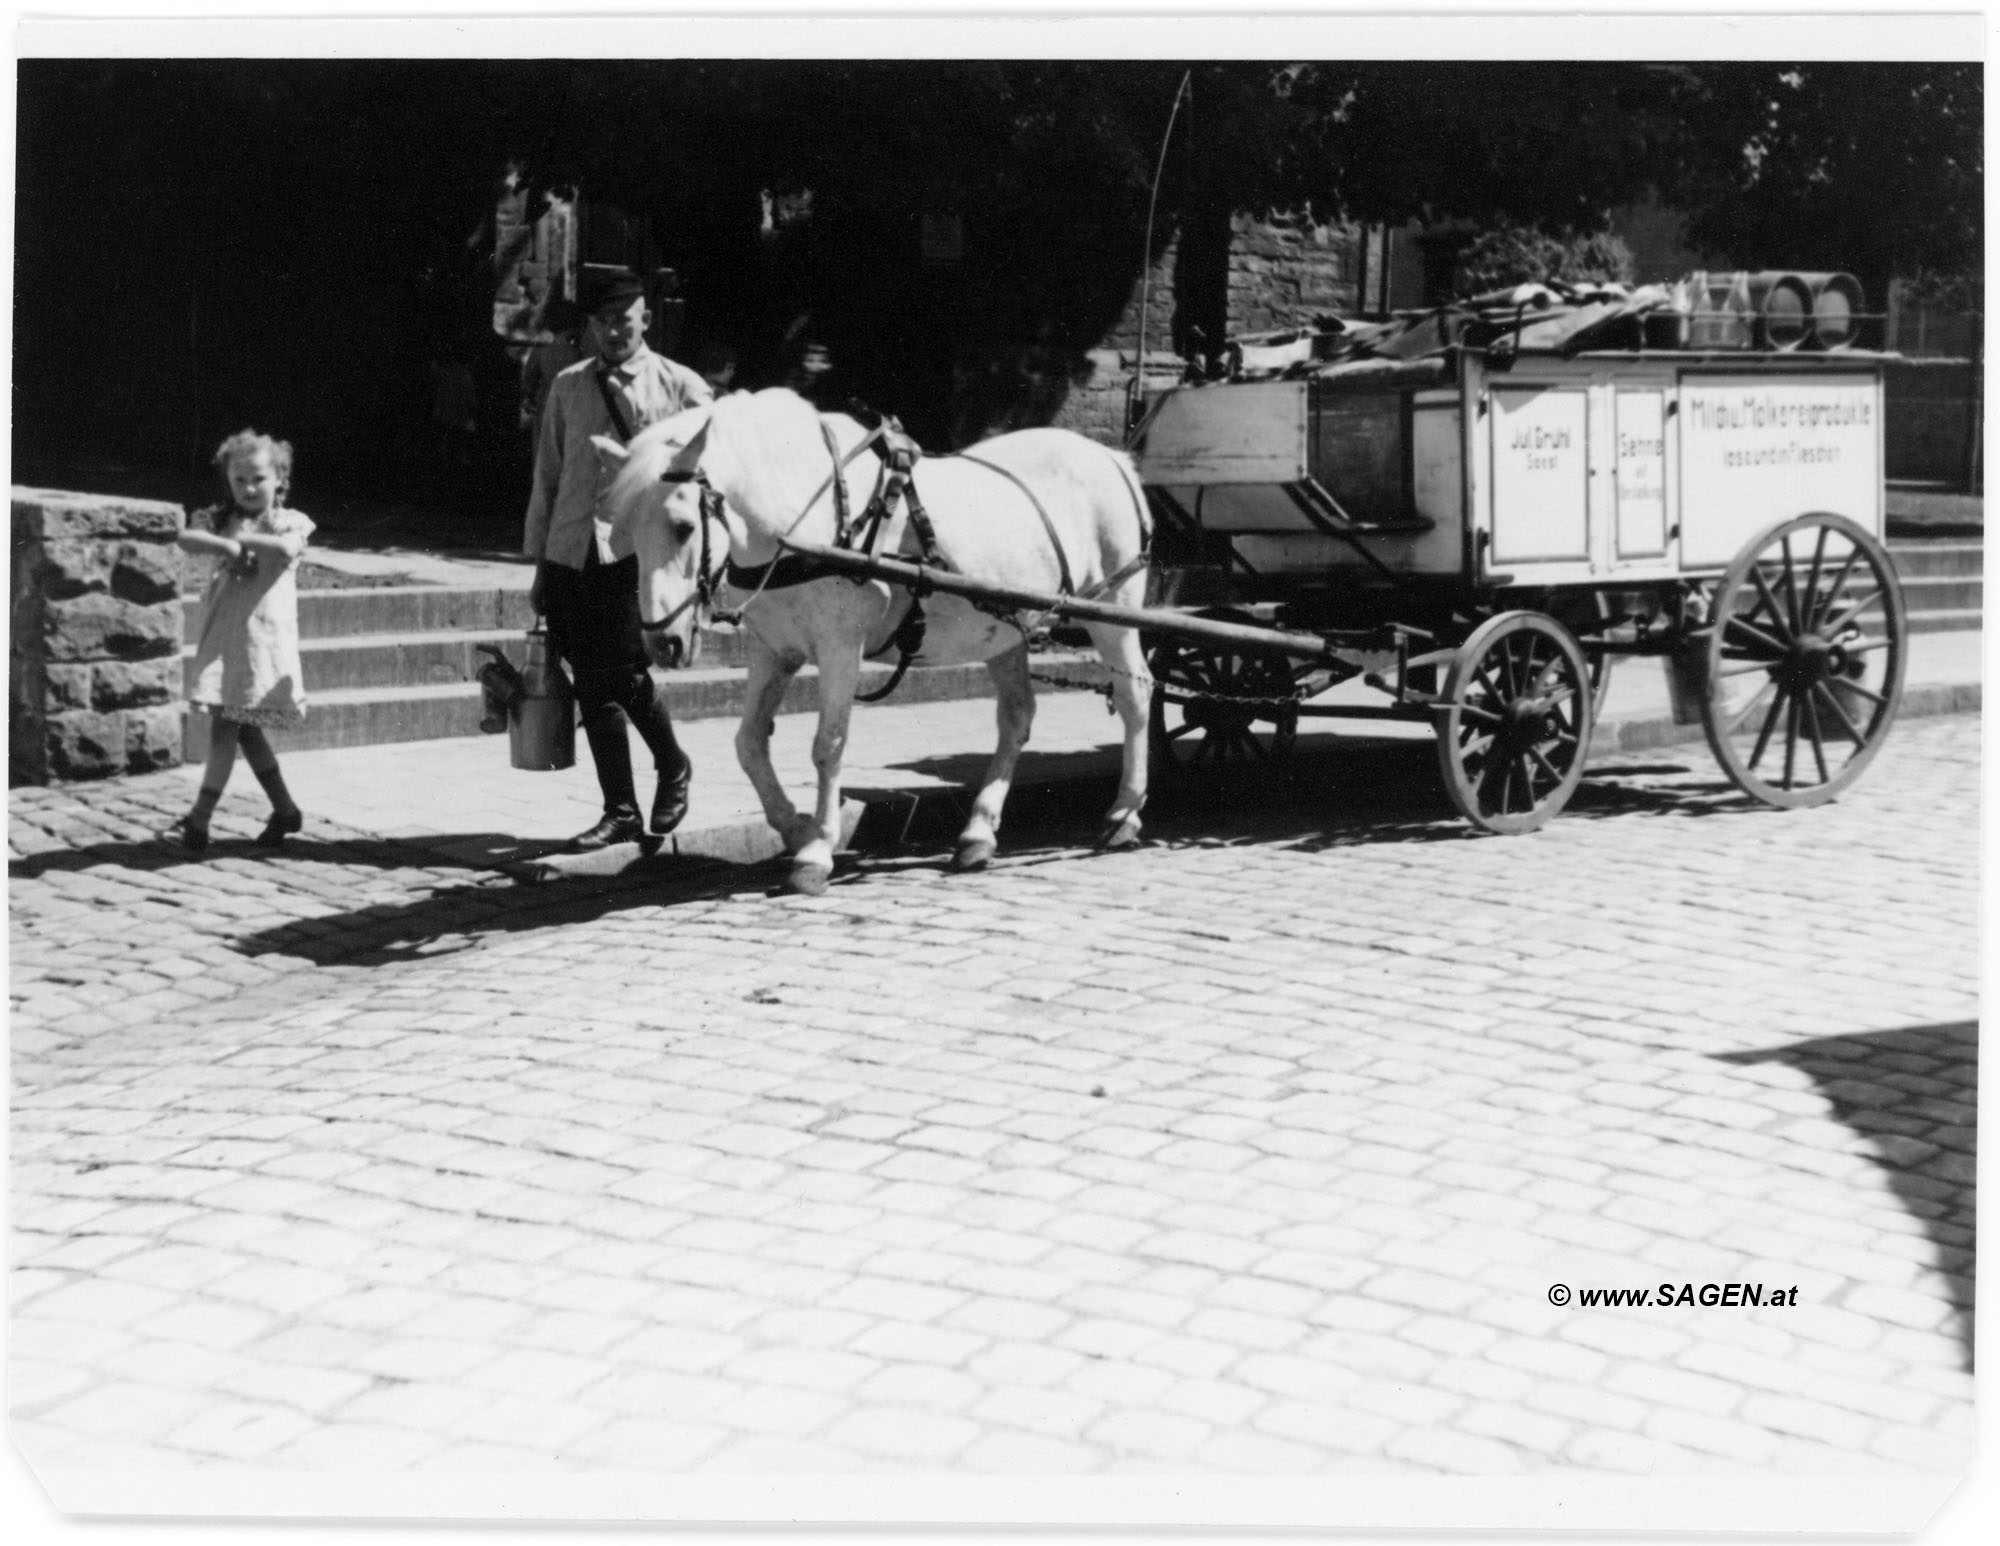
(1663, 1296)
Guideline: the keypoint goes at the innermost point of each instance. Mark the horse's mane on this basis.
(651, 450)
(774, 417)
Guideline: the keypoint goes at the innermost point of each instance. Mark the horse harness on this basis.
(895, 481)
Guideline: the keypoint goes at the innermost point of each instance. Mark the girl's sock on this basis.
(274, 786)
(205, 800)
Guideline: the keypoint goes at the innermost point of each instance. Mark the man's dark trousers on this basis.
(593, 622)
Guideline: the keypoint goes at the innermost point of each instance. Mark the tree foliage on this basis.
(1510, 255)
(1875, 168)
(345, 189)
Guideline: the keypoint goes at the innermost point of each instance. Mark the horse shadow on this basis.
(1333, 802)
(1913, 1094)
(1359, 791)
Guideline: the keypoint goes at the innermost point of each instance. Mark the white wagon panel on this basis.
(1754, 450)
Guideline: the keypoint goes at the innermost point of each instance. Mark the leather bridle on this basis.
(705, 582)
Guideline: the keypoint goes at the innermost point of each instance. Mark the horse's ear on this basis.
(610, 454)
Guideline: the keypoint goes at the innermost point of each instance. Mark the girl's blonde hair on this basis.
(247, 442)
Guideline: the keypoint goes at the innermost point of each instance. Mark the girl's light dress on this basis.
(246, 664)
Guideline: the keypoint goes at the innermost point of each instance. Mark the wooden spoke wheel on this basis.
(1584, 613)
(1514, 722)
(1804, 660)
(1217, 708)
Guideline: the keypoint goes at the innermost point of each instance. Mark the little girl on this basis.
(246, 665)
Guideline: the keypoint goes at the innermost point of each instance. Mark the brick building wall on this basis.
(1282, 272)
(1285, 271)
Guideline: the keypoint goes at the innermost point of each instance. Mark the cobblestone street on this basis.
(1257, 1151)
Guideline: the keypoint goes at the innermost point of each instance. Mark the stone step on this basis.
(1947, 620)
(368, 716)
(402, 660)
(397, 663)
(1939, 556)
(398, 609)
(1943, 581)
(431, 659)
(1943, 594)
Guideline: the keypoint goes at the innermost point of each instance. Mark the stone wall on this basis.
(95, 660)
(1282, 272)
(1096, 401)
(1153, 296)
(1286, 270)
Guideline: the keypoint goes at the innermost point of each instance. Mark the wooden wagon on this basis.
(1480, 533)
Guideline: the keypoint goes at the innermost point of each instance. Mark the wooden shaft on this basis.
(1301, 645)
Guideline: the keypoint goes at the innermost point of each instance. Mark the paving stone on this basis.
(244, 1431)
(1025, 1454)
(1307, 1228)
(359, 1447)
(1807, 1419)
(1335, 1428)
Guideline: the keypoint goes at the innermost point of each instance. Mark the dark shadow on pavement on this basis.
(455, 917)
(474, 852)
(1364, 794)
(1914, 1095)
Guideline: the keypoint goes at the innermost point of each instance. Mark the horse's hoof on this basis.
(975, 853)
(1117, 835)
(808, 879)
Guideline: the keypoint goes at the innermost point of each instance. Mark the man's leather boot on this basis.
(670, 800)
(647, 706)
(612, 755)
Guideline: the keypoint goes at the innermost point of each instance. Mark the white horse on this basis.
(1037, 510)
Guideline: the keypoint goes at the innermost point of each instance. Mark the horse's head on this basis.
(675, 525)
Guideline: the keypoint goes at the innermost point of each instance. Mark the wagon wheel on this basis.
(1515, 722)
(1804, 656)
(1586, 612)
(1214, 707)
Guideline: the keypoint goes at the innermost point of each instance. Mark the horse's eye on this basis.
(683, 531)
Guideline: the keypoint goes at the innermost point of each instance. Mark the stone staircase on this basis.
(1943, 580)
(400, 663)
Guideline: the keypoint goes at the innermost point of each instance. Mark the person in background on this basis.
(591, 599)
(545, 361)
(454, 408)
(716, 364)
(811, 373)
(246, 674)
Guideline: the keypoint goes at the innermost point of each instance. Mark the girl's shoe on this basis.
(278, 828)
(189, 833)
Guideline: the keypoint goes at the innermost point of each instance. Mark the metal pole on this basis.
(1138, 387)
(921, 577)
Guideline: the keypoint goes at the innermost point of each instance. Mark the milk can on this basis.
(1687, 681)
(534, 704)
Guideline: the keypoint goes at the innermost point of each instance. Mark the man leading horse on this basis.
(590, 595)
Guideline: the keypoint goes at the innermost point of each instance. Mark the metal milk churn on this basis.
(534, 704)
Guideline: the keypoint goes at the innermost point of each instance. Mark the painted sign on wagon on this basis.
(1642, 474)
(1754, 450)
(1541, 474)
